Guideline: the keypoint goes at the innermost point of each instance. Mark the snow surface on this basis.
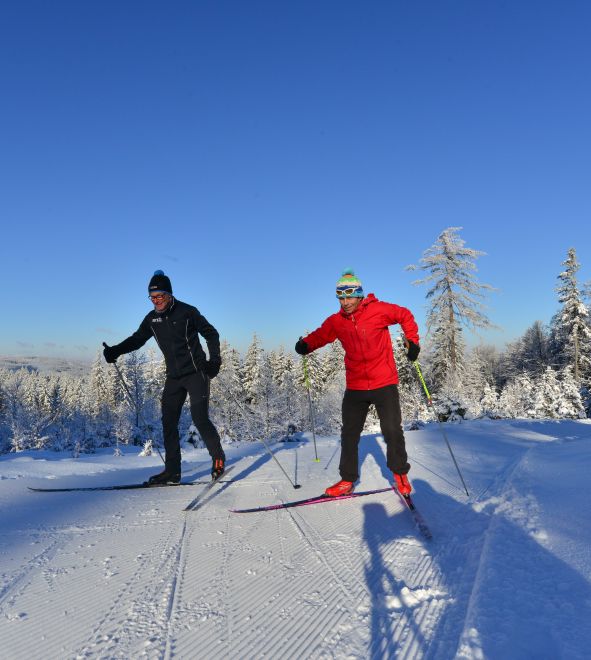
(128, 574)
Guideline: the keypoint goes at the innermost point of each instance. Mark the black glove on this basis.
(212, 367)
(301, 348)
(412, 350)
(111, 353)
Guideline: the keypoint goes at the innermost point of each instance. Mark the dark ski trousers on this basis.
(173, 397)
(355, 408)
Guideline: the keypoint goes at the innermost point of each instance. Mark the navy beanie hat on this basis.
(159, 283)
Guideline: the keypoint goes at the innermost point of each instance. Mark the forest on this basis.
(274, 394)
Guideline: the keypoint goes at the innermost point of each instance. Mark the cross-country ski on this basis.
(198, 501)
(318, 499)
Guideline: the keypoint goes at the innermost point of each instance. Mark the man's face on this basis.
(349, 305)
(160, 300)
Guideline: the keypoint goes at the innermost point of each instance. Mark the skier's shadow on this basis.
(484, 587)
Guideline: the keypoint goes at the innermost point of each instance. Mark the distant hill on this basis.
(45, 364)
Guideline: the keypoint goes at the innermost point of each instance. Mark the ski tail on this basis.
(200, 500)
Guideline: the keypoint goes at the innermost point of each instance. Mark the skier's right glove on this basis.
(412, 350)
(111, 353)
(301, 348)
(212, 367)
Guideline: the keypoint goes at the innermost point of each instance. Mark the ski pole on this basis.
(430, 402)
(333, 455)
(133, 403)
(312, 421)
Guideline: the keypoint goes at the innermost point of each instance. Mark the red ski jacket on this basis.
(369, 357)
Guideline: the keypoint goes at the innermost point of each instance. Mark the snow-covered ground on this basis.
(128, 574)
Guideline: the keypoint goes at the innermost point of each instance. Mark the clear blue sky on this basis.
(254, 149)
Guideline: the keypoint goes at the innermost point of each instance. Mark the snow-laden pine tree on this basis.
(547, 396)
(516, 397)
(227, 399)
(489, 402)
(455, 298)
(285, 394)
(532, 352)
(571, 404)
(571, 323)
(413, 400)
(251, 375)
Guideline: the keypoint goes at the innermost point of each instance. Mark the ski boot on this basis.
(340, 488)
(403, 484)
(217, 468)
(165, 478)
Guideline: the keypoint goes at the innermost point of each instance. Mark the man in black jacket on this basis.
(176, 327)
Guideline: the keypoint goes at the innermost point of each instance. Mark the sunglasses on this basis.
(345, 293)
(158, 298)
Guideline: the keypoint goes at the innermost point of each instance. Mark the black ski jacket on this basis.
(177, 331)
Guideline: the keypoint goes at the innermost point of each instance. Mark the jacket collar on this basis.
(368, 300)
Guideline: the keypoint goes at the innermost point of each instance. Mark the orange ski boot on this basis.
(340, 488)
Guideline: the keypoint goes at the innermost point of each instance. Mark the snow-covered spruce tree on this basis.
(571, 324)
(489, 403)
(571, 404)
(154, 374)
(100, 400)
(413, 401)
(532, 352)
(516, 397)
(227, 400)
(15, 412)
(328, 387)
(140, 413)
(286, 397)
(251, 377)
(491, 363)
(4, 438)
(547, 396)
(455, 303)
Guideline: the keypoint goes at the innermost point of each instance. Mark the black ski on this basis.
(120, 487)
(145, 484)
(200, 499)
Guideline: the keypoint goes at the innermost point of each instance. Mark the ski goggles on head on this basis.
(349, 292)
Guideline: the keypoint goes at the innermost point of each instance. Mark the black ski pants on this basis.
(355, 408)
(173, 397)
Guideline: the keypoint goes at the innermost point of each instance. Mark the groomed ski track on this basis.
(128, 574)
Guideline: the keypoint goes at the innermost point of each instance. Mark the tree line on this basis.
(546, 373)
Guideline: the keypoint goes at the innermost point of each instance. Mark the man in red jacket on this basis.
(361, 326)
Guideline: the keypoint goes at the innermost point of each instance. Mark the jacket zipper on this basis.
(189, 346)
(362, 350)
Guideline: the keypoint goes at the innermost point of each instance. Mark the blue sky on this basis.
(253, 150)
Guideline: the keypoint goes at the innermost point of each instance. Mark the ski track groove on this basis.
(33, 566)
(327, 568)
(500, 485)
(180, 563)
(116, 620)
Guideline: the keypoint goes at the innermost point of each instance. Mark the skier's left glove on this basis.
(212, 367)
(412, 351)
(111, 353)
(301, 348)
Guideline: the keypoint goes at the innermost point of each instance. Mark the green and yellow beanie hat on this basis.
(349, 285)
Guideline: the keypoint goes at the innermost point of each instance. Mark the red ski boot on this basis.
(340, 488)
(217, 468)
(403, 484)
